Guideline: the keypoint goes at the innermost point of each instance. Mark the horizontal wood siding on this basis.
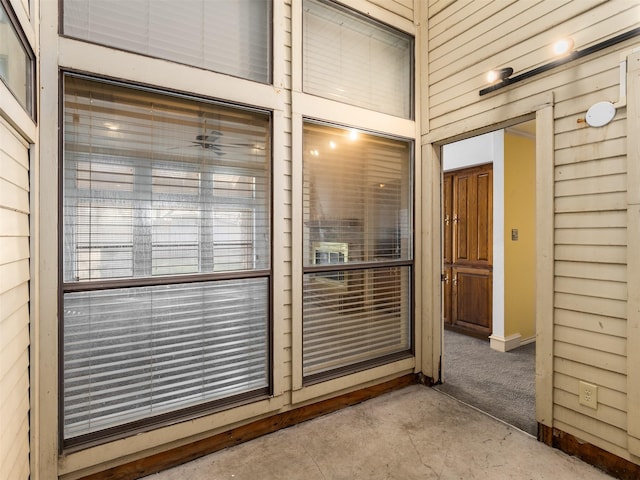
(466, 40)
(404, 8)
(14, 305)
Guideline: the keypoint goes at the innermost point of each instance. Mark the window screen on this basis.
(357, 247)
(352, 59)
(226, 36)
(166, 254)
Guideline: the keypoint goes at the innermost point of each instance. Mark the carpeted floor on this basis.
(500, 384)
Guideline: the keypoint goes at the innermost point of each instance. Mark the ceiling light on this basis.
(353, 134)
(332, 144)
(500, 74)
(563, 46)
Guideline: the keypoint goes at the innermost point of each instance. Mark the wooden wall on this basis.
(14, 304)
(466, 39)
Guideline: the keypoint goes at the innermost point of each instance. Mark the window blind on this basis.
(134, 353)
(361, 317)
(226, 36)
(166, 255)
(156, 186)
(352, 59)
(357, 247)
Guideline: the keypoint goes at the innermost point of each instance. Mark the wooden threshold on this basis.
(186, 453)
(608, 462)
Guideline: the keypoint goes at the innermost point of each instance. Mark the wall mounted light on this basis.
(501, 74)
(568, 57)
(563, 46)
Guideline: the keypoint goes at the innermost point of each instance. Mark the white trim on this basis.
(633, 261)
(131, 67)
(497, 322)
(504, 344)
(355, 381)
(322, 109)
(15, 115)
(544, 263)
(142, 445)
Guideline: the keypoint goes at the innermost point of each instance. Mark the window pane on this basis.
(354, 316)
(15, 63)
(357, 209)
(227, 36)
(134, 353)
(351, 59)
(357, 191)
(156, 185)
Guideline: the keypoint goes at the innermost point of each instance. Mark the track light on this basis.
(563, 47)
(500, 74)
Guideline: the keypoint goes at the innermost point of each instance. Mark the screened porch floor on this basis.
(412, 433)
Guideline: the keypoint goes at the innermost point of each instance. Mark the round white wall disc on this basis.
(600, 114)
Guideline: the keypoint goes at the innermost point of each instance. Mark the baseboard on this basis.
(504, 344)
(177, 456)
(608, 462)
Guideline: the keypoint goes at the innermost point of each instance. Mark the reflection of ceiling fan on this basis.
(210, 141)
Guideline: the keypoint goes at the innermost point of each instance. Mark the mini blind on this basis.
(226, 36)
(156, 185)
(135, 353)
(357, 214)
(166, 255)
(358, 317)
(352, 59)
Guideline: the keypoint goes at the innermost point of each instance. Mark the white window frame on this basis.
(324, 110)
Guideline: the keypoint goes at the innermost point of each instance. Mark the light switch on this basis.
(514, 234)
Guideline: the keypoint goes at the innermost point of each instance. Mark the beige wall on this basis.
(519, 255)
(584, 335)
(14, 304)
(17, 132)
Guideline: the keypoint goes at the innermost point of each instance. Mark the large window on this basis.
(358, 250)
(166, 257)
(226, 36)
(352, 59)
(16, 62)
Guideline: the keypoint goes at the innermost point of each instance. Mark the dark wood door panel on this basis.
(484, 218)
(447, 295)
(462, 194)
(447, 220)
(472, 299)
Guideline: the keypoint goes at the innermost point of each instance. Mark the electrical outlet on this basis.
(588, 395)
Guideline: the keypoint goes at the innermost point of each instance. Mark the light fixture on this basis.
(499, 74)
(332, 145)
(563, 46)
(353, 134)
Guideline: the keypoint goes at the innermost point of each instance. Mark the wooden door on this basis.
(468, 250)
(447, 239)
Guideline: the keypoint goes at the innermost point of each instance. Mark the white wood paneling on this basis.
(592, 271)
(14, 299)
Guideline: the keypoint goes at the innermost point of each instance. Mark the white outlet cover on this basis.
(600, 114)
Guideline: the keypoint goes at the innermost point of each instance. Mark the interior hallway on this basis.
(412, 433)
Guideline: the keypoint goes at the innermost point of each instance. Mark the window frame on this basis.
(381, 24)
(271, 75)
(345, 267)
(152, 422)
(30, 76)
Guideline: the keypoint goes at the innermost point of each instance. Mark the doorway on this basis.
(488, 225)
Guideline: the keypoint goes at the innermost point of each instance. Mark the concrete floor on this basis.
(413, 433)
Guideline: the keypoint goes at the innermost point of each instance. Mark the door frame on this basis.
(432, 267)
